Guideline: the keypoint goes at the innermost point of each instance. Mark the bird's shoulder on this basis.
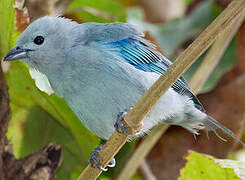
(106, 32)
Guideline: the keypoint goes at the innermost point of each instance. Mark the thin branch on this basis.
(198, 80)
(135, 116)
(141, 152)
(214, 55)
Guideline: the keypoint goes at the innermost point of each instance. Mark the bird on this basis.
(102, 70)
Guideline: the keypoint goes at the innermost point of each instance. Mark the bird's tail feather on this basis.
(212, 125)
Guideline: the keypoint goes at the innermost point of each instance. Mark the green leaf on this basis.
(38, 119)
(204, 167)
(238, 166)
(7, 28)
(39, 129)
(24, 93)
(98, 10)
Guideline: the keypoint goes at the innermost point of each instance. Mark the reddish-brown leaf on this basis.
(22, 16)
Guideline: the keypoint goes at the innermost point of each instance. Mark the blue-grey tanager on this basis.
(102, 69)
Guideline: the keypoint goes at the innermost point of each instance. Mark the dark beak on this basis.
(16, 53)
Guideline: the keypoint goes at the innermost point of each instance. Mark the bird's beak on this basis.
(16, 53)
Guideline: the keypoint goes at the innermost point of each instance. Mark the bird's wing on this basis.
(122, 40)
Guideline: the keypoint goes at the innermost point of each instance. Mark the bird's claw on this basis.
(112, 163)
(119, 126)
(94, 160)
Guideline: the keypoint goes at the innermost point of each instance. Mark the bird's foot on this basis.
(94, 160)
(119, 126)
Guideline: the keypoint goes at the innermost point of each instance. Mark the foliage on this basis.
(7, 27)
(45, 115)
(200, 167)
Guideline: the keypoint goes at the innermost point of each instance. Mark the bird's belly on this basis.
(98, 104)
(98, 108)
(98, 97)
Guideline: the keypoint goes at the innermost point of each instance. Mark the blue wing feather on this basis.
(142, 55)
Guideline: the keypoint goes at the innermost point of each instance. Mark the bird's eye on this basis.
(39, 40)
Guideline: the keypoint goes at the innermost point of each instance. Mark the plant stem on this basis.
(141, 152)
(135, 116)
(199, 78)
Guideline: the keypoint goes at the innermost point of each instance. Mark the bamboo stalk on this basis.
(135, 116)
(199, 78)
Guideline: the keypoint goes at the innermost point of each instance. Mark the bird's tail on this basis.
(212, 125)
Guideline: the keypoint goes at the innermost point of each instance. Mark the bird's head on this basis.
(43, 43)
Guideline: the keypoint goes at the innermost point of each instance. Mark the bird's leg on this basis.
(94, 160)
(119, 126)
